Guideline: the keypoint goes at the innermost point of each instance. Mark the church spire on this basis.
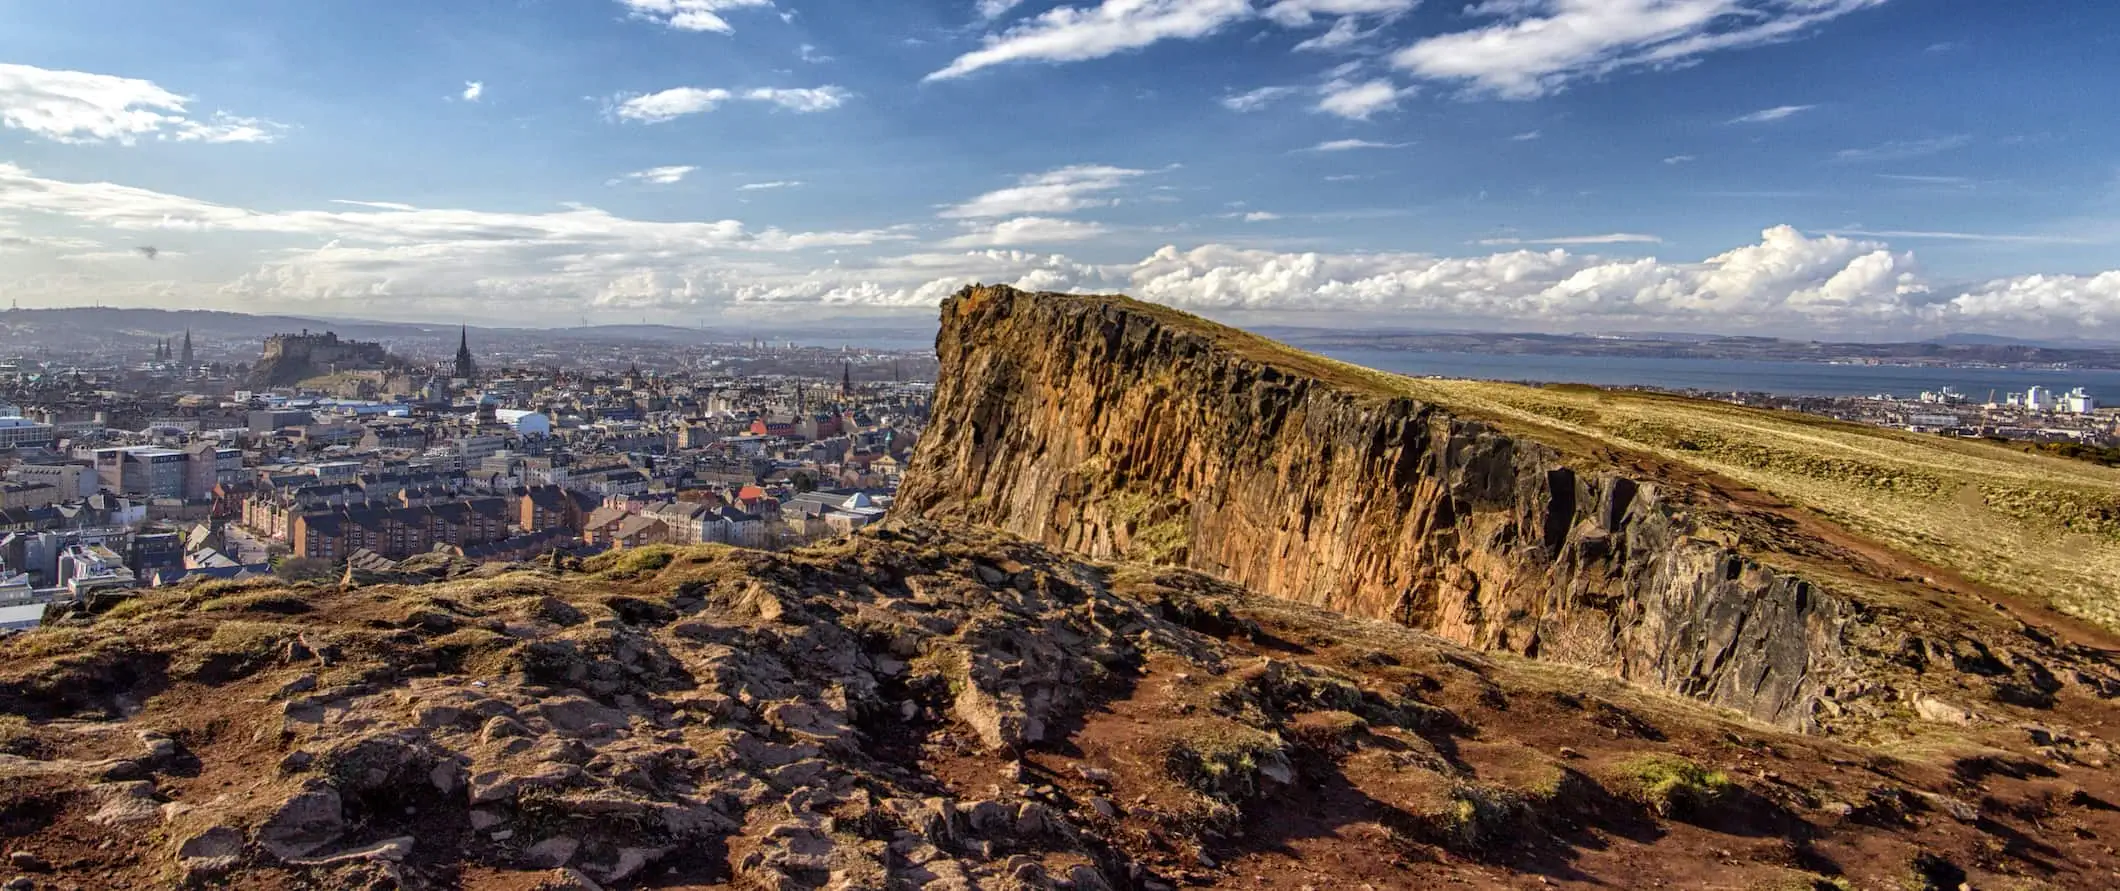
(465, 367)
(187, 358)
(846, 379)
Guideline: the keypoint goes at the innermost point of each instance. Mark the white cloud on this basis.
(80, 107)
(1064, 190)
(1255, 100)
(775, 184)
(378, 205)
(1526, 136)
(1261, 216)
(1770, 115)
(2043, 302)
(1680, 159)
(1348, 145)
(990, 10)
(655, 108)
(691, 15)
(1786, 277)
(1073, 34)
(1297, 13)
(1536, 47)
(397, 225)
(1903, 149)
(670, 104)
(1360, 100)
(659, 176)
(802, 99)
(1933, 235)
(1027, 231)
(473, 89)
(1608, 238)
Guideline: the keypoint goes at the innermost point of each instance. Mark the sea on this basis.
(1726, 376)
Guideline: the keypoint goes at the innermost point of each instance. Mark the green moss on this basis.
(1672, 785)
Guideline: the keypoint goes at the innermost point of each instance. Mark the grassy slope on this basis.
(2041, 527)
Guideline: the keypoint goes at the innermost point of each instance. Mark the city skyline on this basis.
(1825, 168)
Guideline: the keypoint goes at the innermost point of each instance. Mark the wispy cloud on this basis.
(1770, 115)
(775, 184)
(1680, 159)
(670, 104)
(1360, 100)
(1064, 190)
(658, 176)
(691, 15)
(1254, 100)
(1930, 235)
(1917, 179)
(473, 90)
(1903, 149)
(1074, 34)
(80, 107)
(1348, 145)
(1536, 47)
(1526, 136)
(1026, 231)
(990, 10)
(1564, 240)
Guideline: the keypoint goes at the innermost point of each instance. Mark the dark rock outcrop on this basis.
(1118, 429)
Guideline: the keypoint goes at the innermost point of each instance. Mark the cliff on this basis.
(1117, 428)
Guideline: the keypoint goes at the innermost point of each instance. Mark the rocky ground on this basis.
(935, 707)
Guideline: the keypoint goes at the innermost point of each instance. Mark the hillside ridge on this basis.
(1127, 430)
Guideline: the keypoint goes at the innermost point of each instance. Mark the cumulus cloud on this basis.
(1074, 34)
(81, 107)
(676, 102)
(691, 15)
(659, 176)
(1788, 275)
(1064, 190)
(1770, 115)
(473, 90)
(1536, 47)
(1261, 216)
(369, 254)
(1022, 231)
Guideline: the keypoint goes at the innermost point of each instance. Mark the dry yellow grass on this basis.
(2036, 526)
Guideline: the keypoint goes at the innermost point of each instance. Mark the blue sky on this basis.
(1855, 168)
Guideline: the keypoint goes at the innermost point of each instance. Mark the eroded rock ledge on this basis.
(1117, 429)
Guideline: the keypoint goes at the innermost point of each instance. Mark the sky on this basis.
(1858, 169)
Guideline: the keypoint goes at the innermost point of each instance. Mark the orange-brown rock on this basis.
(1120, 429)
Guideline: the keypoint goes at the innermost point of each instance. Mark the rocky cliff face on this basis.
(1117, 429)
